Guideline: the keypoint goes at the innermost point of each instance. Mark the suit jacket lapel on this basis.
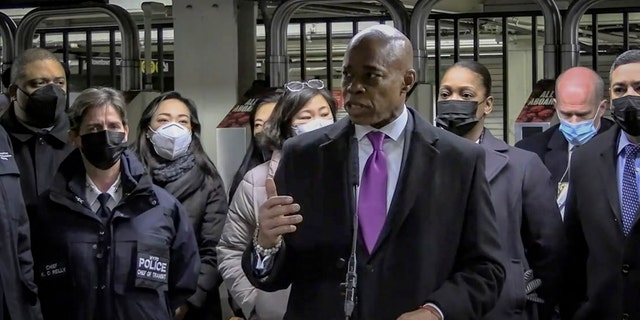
(557, 158)
(338, 195)
(608, 163)
(420, 138)
(496, 160)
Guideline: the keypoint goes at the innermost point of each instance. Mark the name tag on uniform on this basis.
(53, 269)
(152, 266)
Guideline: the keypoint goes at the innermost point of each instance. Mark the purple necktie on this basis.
(372, 200)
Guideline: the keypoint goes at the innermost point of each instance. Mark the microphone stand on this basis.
(351, 280)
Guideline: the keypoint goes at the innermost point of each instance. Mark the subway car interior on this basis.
(214, 51)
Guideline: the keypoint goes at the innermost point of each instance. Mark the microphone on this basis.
(351, 280)
(354, 167)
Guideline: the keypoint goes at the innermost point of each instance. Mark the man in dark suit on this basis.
(579, 105)
(427, 247)
(602, 210)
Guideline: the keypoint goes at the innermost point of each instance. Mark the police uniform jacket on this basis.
(37, 154)
(16, 263)
(142, 263)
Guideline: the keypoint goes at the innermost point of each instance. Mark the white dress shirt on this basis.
(393, 147)
(92, 192)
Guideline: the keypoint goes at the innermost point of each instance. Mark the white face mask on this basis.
(171, 140)
(314, 124)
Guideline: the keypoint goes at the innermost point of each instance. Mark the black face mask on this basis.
(259, 140)
(626, 113)
(457, 116)
(103, 149)
(44, 106)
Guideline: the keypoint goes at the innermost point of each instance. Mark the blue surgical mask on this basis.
(578, 133)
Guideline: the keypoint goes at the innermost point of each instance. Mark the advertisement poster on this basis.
(539, 105)
(239, 115)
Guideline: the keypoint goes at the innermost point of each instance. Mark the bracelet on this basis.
(432, 310)
(262, 251)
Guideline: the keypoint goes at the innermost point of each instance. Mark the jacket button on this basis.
(340, 263)
(101, 232)
(625, 268)
(625, 316)
(95, 246)
(154, 202)
(370, 269)
(99, 255)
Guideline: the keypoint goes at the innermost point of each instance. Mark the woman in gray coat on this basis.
(522, 194)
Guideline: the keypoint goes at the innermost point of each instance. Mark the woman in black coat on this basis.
(169, 146)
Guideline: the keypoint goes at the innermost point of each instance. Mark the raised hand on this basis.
(276, 216)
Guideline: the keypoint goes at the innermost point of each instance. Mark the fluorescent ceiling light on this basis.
(464, 44)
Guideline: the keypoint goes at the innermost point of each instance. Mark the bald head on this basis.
(377, 74)
(579, 94)
(394, 43)
(580, 77)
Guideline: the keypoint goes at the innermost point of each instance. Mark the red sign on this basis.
(238, 116)
(540, 106)
(337, 94)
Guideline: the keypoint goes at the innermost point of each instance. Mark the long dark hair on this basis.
(142, 145)
(262, 99)
(278, 128)
(254, 155)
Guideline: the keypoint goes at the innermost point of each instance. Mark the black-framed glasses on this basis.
(294, 86)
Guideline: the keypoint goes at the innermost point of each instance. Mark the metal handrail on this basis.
(281, 17)
(570, 49)
(130, 75)
(418, 36)
(7, 32)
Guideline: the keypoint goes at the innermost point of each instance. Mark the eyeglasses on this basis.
(294, 86)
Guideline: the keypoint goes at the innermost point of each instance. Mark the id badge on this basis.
(562, 187)
(561, 198)
(152, 267)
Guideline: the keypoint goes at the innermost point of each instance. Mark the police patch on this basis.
(152, 266)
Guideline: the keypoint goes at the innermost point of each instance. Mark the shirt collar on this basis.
(93, 192)
(393, 130)
(623, 141)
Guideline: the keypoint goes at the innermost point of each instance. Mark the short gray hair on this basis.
(96, 97)
(27, 57)
(627, 57)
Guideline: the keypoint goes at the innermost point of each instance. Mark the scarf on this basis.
(165, 172)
